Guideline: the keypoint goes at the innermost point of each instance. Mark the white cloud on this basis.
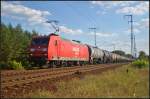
(142, 45)
(103, 34)
(110, 4)
(136, 23)
(98, 12)
(101, 12)
(12, 16)
(125, 7)
(145, 22)
(33, 16)
(17, 18)
(142, 24)
(139, 9)
(116, 44)
(135, 30)
(70, 31)
(139, 26)
(91, 7)
(15, 2)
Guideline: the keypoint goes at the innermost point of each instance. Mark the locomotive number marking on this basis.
(76, 50)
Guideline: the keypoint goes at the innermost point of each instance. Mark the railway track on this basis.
(21, 77)
(12, 79)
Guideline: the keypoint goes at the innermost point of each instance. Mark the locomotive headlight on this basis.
(32, 49)
(44, 49)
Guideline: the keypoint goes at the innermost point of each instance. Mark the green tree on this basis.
(5, 42)
(13, 43)
(34, 33)
(128, 55)
(119, 52)
(142, 55)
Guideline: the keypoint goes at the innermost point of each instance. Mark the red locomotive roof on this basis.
(53, 34)
(43, 36)
(40, 36)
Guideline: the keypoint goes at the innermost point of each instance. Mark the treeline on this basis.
(122, 53)
(13, 45)
(142, 61)
(142, 54)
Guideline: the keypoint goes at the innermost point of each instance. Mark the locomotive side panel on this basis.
(60, 49)
(69, 51)
(84, 53)
(53, 48)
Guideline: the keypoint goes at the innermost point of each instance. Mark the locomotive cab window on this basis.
(40, 41)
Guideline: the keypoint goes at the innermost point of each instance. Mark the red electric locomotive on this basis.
(57, 51)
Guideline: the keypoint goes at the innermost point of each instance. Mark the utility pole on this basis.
(131, 22)
(134, 47)
(55, 25)
(94, 28)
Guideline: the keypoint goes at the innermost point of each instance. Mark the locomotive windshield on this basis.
(40, 41)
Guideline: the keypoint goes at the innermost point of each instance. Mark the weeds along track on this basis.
(17, 78)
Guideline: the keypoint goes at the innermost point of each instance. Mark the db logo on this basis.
(75, 49)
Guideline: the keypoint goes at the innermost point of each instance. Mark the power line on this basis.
(55, 25)
(87, 17)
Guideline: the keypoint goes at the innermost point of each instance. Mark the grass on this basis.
(16, 65)
(141, 63)
(126, 81)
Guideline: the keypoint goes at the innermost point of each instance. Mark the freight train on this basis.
(57, 51)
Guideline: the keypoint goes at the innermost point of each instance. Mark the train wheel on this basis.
(65, 64)
(81, 64)
(52, 64)
(68, 64)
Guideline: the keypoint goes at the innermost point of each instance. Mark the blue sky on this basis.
(75, 17)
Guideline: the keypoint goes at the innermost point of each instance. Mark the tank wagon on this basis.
(114, 57)
(57, 51)
(107, 57)
(96, 55)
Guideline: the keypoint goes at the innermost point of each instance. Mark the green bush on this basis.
(3, 65)
(24, 61)
(140, 63)
(15, 65)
